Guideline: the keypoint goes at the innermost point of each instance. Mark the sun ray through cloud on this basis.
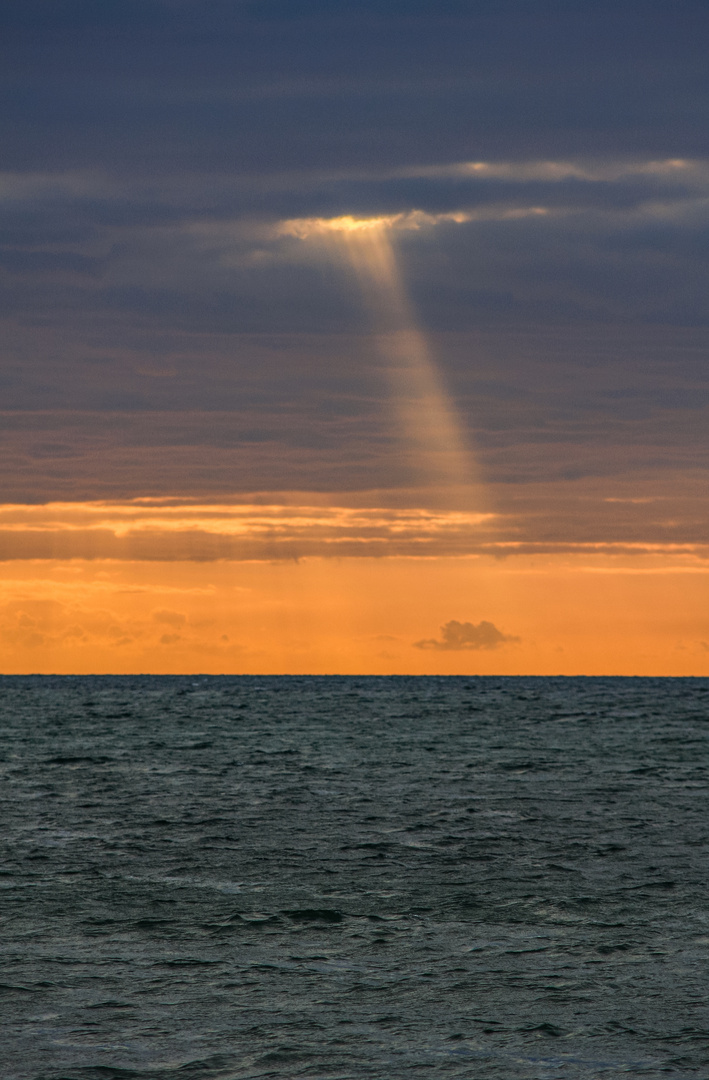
(424, 413)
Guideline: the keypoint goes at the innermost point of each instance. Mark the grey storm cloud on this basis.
(459, 636)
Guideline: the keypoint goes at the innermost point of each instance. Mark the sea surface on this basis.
(243, 877)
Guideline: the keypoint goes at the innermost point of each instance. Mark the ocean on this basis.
(337, 877)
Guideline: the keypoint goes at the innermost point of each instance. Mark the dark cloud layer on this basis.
(161, 333)
(273, 85)
(631, 249)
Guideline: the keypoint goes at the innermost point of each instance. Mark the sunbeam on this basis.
(426, 419)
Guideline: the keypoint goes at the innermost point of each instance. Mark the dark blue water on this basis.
(353, 877)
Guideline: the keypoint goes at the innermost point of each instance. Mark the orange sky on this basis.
(579, 611)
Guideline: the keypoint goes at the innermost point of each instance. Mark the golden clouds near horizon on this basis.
(173, 529)
(530, 614)
(261, 529)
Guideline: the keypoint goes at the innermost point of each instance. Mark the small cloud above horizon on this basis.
(457, 636)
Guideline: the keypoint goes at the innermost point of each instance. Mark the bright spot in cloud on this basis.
(304, 228)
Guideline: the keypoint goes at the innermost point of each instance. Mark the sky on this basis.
(354, 336)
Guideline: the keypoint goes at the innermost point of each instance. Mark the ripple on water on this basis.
(353, 877)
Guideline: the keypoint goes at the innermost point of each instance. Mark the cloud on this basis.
(523, 240)
(250, 83)
(176, 530)
(411, 220)
(457, 637)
